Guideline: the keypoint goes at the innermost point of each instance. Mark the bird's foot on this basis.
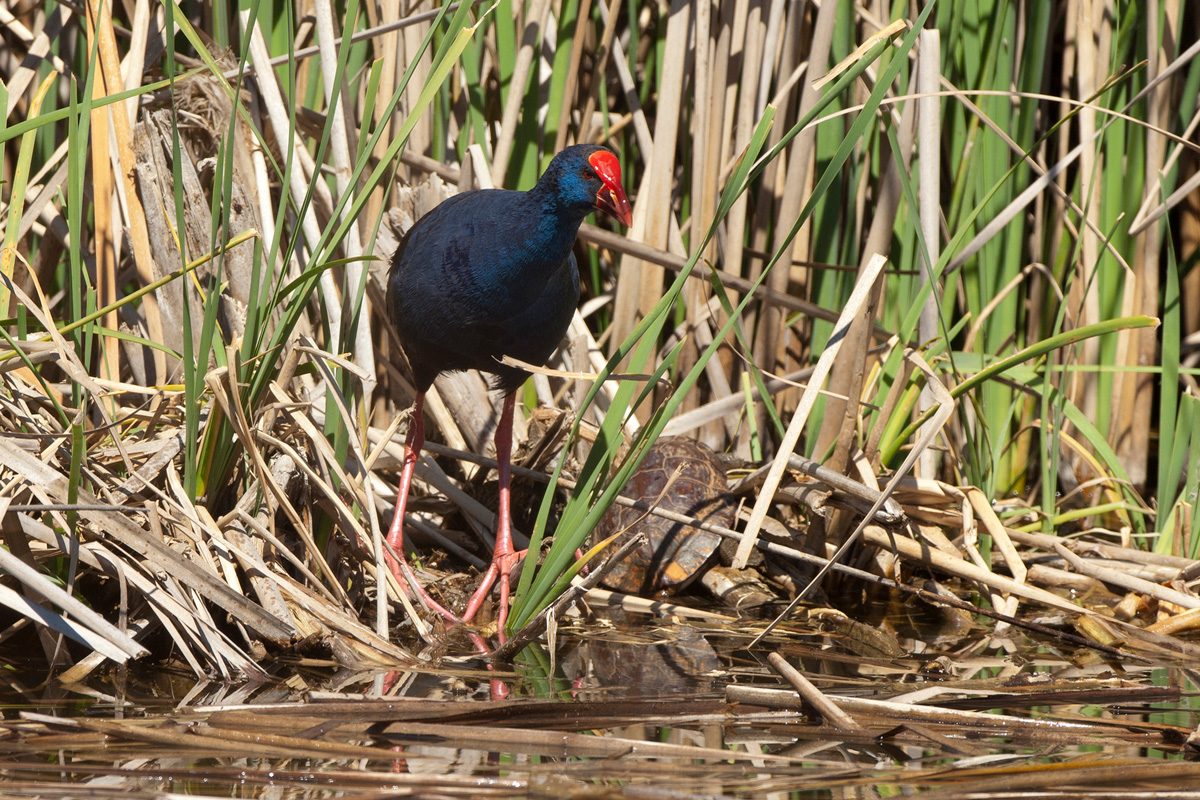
(406, 578)
(502, 564)
(498, 572)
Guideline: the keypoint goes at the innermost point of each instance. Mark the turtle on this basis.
(674, 553)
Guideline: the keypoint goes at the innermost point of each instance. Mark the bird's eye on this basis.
(587, 174)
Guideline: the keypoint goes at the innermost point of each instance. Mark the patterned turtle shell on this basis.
(674, 552)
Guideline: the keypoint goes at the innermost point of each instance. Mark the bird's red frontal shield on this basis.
(612, 197)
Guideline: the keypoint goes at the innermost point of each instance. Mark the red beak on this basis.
(611, 197)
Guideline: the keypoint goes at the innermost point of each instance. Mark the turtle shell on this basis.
(673, 552)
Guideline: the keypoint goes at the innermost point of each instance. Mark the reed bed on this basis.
(946, 249)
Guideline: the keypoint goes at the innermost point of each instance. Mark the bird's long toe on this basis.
(408, 581)
(498, 571)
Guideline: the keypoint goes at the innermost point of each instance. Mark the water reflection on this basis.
(624, 704)
(666, 658)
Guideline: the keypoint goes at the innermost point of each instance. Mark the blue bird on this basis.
(489, 274)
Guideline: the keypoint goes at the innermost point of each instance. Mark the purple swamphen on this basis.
(486, 274)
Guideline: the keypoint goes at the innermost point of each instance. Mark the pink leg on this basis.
(497, 687)
(504, 558)
(395, 538)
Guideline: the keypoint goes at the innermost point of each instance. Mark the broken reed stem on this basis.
(812, 695)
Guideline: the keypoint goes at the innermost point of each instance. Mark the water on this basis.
(631, 707)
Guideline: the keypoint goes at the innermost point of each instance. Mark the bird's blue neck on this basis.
(554, 223)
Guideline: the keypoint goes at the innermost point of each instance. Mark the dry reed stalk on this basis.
(768, 323)
(340, 148)
(911, 550)
(796, 427)
(387, 50)
(797, 185)
(21, 79)
(122, 163)
(929, 120)
(582, 27)
(1085, 291)
(829, 710)
(703, 196)
(297, 186)
(531, 40)
(99, 25)
(421, 137)
(608, 13)
(746, 115)
(1126, 581)
(641, 285)
(847, 376)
